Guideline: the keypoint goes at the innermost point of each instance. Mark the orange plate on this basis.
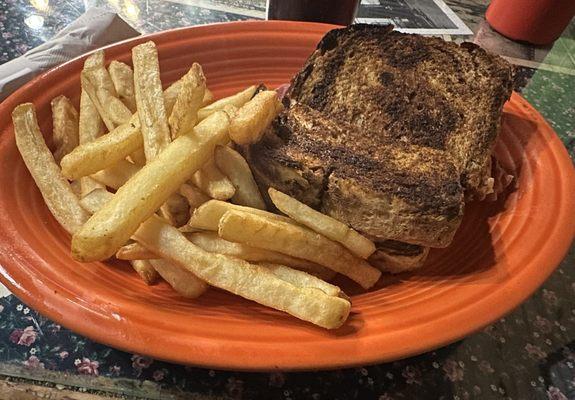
(501, 254)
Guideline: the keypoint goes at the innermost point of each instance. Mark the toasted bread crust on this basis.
(396, 257)
(386, 132)
(410, 88)
(385, 190)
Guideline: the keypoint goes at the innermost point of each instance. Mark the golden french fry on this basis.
(149, 266)
(185, 112)
(99, 86)
(107, 150)
(134, 251)
(181, 121)
(151, 107)
(182, 280)
(253, 282)
(55, 189)
(146, 271)
(109, 228)
(231, 110)
(176, 210)
(116, 175)
(303, 279)
(96, 59)
(138, 157)
(208, 97)
(95, 200)
(321, 223)
(211, 242)
(210, 180)
(208, 215)
(100, 76)
(296, 241)
(103, 152)
(236, 168)
(92, 202)
(91, 125)
(65, 126)
(233, 275)
(254, 117)
(76, 188)
(236, 100)
(194, 196)
(87, 184)
(123, 79)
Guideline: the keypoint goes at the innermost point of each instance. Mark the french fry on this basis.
(113, 147)
(236, 100)
(253, 282)
(87, 184)
(100, 76)
(176, 210)
(96, 59)
(183, 281)
(182, 120)
(323, 224)
(151, 107)
(210, 180)
(91, 125)
(296, 241)
(76, 188)
(138, 157)
(194, 196)
(303, 279)
(95, 200)
(116, 175)
(134, 251)
(236, 168)
(153, 115)
(55, 189)
(274, 286)
(123, 79)
(254, 117)
(208, 97)
(109, 228)
(185, 112)
(208, 215)
(103, 152)
(146, 271)
(211, 242)
(65, 126)
(149, 266)
(99, 86)
(180, 279)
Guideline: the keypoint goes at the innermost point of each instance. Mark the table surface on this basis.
(529, 354)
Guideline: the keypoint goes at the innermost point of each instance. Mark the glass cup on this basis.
(338, 12)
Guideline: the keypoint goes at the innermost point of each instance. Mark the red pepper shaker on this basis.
(538, 22)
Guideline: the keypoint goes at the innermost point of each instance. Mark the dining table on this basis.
(527, 354)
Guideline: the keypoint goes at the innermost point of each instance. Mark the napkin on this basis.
(95, 28)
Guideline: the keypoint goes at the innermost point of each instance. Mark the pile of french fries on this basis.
(151, 176)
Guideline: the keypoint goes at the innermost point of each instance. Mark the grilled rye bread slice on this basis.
(410, 88)
(393, 256)
(385, 190)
